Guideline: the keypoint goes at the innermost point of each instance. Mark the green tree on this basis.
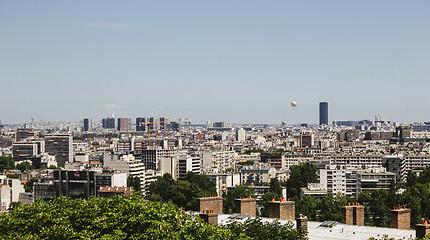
(300, 176)
(130, 217)
(6, 163)
(265, 199)
(202, 181)
(134, 182)
(424, 176)
(28, 186)
(365, 199)
(275, 186)
(24, 166)
(412, 179)
(275, 193)
(259, 230)
(308, 206)
(379, 208)
(229, 198)
(184, 192)
(330, 207)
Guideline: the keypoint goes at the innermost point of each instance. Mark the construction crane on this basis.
(149, 130)
(189, 126)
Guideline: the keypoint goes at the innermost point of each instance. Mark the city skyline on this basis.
(239, 62)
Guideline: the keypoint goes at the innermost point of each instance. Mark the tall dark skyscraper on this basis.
(88, 125)
(108, 122)
(140, 124)
(323, 113)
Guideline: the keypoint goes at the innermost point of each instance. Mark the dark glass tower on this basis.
(87, 124)
(323, 113)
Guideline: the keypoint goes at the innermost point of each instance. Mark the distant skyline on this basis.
(234, 61)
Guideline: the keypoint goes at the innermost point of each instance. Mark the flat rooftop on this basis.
(332, 230)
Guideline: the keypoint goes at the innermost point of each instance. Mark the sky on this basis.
(240, 61)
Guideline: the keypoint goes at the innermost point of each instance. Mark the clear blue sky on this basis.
(235, 61)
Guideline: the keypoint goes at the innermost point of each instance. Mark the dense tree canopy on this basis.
(24, 166)
(134, 182)
(259, 230)
(6, 163)
(300, 176)
(183, 192)
(229, 198)
(130, 217)
(275, 193)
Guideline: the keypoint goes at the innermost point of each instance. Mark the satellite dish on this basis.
(293, 104)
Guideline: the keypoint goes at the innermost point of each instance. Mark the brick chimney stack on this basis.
(423, 229)
(302, 223)
(282, 209)
(211, 202)
(247, 206)
(400, 217)
(210, 217)
(353, 214)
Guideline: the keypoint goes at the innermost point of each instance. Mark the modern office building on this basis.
(24, 150)
(153, 123)
(163, 122)
(88, 125)
(124, 124)
(323, 113)
(24, 133)
(60, 146)
(140, 124)
(108, 123)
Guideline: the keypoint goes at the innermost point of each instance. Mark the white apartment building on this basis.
(127, 164)
(363, 160)
(339, 179)
(218, 161)
(10, 189)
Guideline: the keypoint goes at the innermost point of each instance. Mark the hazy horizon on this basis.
(233, 61)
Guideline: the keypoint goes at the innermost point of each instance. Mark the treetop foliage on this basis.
(130, 217)
(126, 217)
(300, 176)
(6, 163)
(184, 192)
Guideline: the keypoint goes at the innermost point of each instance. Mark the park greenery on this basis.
(183, 192)
(129, 217)
(229, 198)
(6, 163)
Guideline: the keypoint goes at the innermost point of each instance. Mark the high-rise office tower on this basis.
(60, 146)
(153, 123)
(140, 124)
(108, 123)
(323, 113)
(124, 124)
(88, 125)
(163, 121)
